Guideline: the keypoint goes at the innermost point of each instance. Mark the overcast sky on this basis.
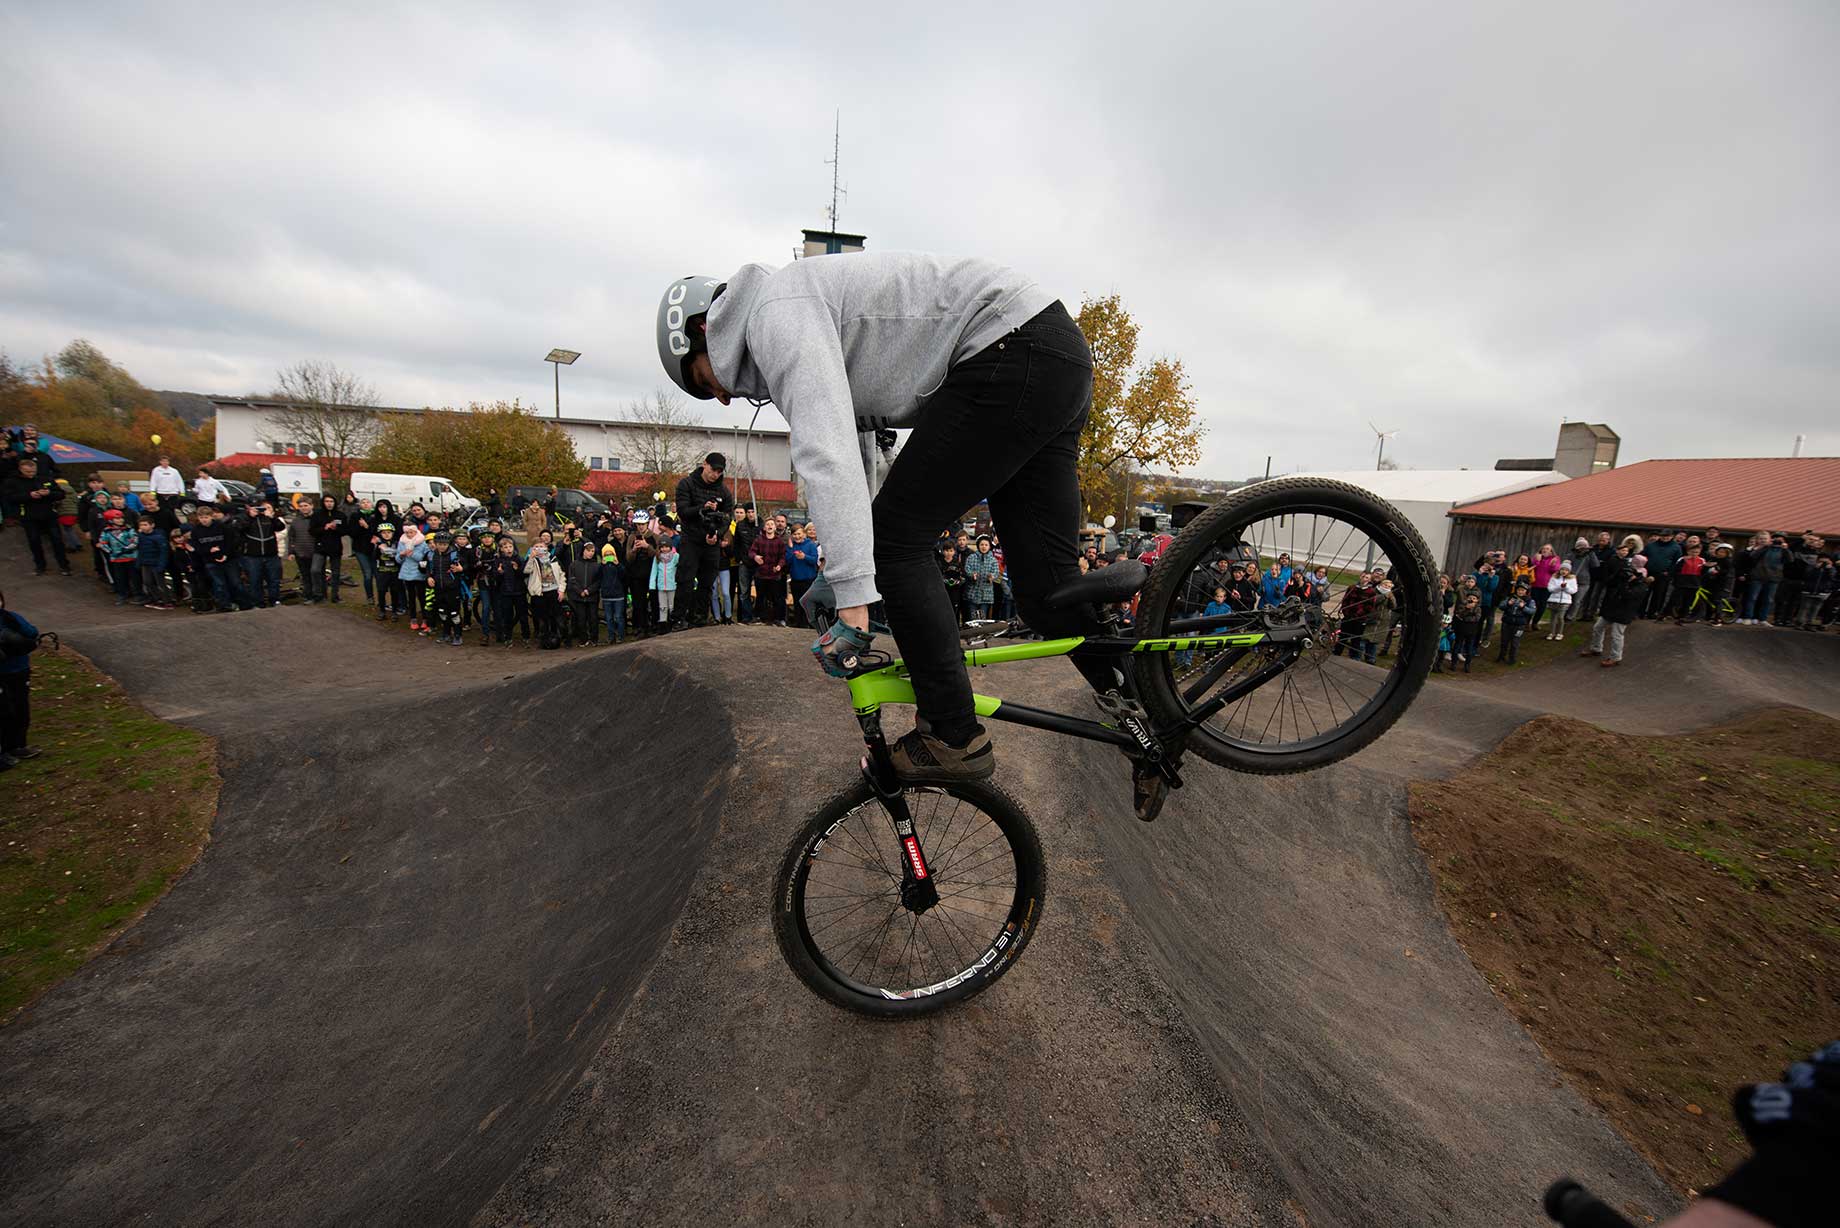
(1465, 221)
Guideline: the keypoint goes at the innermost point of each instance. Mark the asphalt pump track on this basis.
(482, 935)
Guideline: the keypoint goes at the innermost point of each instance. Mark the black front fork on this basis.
(917, 890)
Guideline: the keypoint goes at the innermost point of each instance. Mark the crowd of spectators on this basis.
(541, 579)
(1612, 582)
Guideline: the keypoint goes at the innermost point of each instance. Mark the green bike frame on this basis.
(891, 684)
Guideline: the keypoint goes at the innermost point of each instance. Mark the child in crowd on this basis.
(447, 580)
(1272, 585)
(545, 583)
(179, 563)
(151, 558)
(639, 559)
(482, 583)
(391, 599)
(664, 583)
(1220, 605)
(120, 547)
(613, 593)
(412, 569)
(1466, 624)
(1688, 573)
(1561, 591)
(509, 603)
(1516, 613)
(585, 594)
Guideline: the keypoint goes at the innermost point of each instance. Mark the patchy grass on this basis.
(96, 828)
(1536, 650)
(1662, 914)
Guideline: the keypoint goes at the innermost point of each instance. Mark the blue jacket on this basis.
(1486, 586)
(413, 564)
(1271, 588)
(1218, 607)
(664, 574)
(21, 664)
(802, 559)
(152, 551)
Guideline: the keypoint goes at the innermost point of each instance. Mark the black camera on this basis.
(713, 522)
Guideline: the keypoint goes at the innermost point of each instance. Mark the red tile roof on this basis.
(1778, 493)
(259, 459)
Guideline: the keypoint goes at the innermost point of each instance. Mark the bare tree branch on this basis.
(328, 411)
(660, 440)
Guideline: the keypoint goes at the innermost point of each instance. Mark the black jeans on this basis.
(696, 578)
(1005, 424)
(38, 532)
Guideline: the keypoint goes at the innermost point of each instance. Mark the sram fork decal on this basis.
(913, 856)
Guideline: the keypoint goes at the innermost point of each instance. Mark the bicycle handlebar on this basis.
(1572, 1205)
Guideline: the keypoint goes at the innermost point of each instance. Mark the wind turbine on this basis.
(1383, 437)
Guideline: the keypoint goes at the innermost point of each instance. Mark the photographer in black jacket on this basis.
(34, 496)
(704, 505)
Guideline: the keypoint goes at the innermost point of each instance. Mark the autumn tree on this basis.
(484, 446)
(660, 440)
(81, 395)
(1141, 415)
(326, 410)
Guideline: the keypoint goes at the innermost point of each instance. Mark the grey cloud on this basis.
(1466, 220)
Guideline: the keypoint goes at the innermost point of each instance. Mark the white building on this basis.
(250, 426)
(1425, 496)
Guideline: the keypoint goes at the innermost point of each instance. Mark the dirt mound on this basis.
(1657, 912)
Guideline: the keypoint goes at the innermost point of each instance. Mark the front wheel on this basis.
(1299, 553)
(841, 923)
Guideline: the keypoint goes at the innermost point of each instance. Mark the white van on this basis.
(403, 489)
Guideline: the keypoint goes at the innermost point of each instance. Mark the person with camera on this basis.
(36, 495)
(704, 505)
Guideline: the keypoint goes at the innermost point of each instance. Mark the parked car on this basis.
(403, 489)
(572, 505)
(241, 494)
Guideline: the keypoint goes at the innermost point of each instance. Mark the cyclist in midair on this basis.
(995, 380)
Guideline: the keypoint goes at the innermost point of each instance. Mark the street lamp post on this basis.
(560, 359)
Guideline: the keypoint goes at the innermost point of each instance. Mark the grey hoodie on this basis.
(849, 344)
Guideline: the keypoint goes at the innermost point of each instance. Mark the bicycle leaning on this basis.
(899, 900)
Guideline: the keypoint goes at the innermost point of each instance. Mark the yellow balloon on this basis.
(156, 440)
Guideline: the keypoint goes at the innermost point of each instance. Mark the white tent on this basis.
(1425, 496)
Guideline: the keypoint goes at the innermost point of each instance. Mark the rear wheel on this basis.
(1292, 707)
(841, 923)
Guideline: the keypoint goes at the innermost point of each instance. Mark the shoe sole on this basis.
(934, 776)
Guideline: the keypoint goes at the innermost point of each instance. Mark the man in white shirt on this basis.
(207, 489)
(166, 480)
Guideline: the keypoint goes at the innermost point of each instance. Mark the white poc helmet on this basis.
(683, 300)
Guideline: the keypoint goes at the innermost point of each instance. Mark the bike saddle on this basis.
(1117, 582)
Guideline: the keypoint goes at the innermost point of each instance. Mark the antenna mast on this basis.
(832, 161)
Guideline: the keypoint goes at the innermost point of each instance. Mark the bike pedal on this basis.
(1119, 706)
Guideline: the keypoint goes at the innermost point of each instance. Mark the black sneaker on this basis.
(25, 752)
(921, 758)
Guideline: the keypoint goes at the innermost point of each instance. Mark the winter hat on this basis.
(1583, 543)
(111, 515)
(1640, 560)
(608, 553)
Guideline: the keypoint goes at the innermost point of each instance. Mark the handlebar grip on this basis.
(1572, 1205)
